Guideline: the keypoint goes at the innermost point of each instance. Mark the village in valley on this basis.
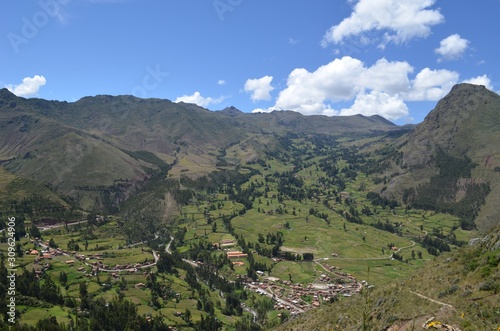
(296, 298)
(269, 243)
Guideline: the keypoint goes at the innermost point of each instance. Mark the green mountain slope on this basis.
(83, 147)
(450, 161)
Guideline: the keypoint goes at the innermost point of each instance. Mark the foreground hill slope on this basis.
(459, 289)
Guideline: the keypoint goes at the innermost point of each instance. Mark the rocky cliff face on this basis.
(462, 114)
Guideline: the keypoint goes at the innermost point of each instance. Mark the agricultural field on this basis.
(317, 223)
(295, 224)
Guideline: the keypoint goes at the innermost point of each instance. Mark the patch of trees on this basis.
(378, 200)
(166, 263)
(352, 156)
(385, 151)
(397, 157)
(274, 239)
(141, 227)
(324, 141)
(20, 229)
(434, 245)
(183, 196)
(385, 226)
(233, 305)
(244, 196)
(366, 211)
(158, 290)
(37, 207)
(115, 315)
(373, 166)
(439, 194)
(397, 256)
(289, 256)
(290, 185)
(318, 214)
(349, 173)
(209, 322)
(329, 168)
(204, 303)
(353, 215)
(233, 291)
(46, 289)
(260, 162)
(308, 256)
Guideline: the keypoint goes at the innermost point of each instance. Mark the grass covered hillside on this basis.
(450, 162)
(459, 289)
(94, 150)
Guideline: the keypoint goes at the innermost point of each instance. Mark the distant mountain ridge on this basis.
(94, 141)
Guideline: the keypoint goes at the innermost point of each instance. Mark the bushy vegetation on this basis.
(440, 193)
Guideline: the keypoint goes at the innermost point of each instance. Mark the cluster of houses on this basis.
(298, 298)
(226, 243)
(97, 265)
(45, 254)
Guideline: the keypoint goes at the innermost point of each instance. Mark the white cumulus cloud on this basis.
(391, 107)
(341, 80)
(198, 99)
(480, 80)
(221, 82)
(432, 85)
(401, 20)
(260, 88)
(261, 110)
(382, 88)
(28, 87)
(452, 48)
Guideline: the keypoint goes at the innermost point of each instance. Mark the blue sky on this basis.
(394, 58)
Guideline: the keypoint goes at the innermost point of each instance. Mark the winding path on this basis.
(167, 249)
(50, 227)
(433, 300)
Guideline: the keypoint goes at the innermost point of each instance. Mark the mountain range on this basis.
(108, 154)
(107, 140)
(81, 148)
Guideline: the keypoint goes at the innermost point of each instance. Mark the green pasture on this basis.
(32, 315)
(300, 272)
